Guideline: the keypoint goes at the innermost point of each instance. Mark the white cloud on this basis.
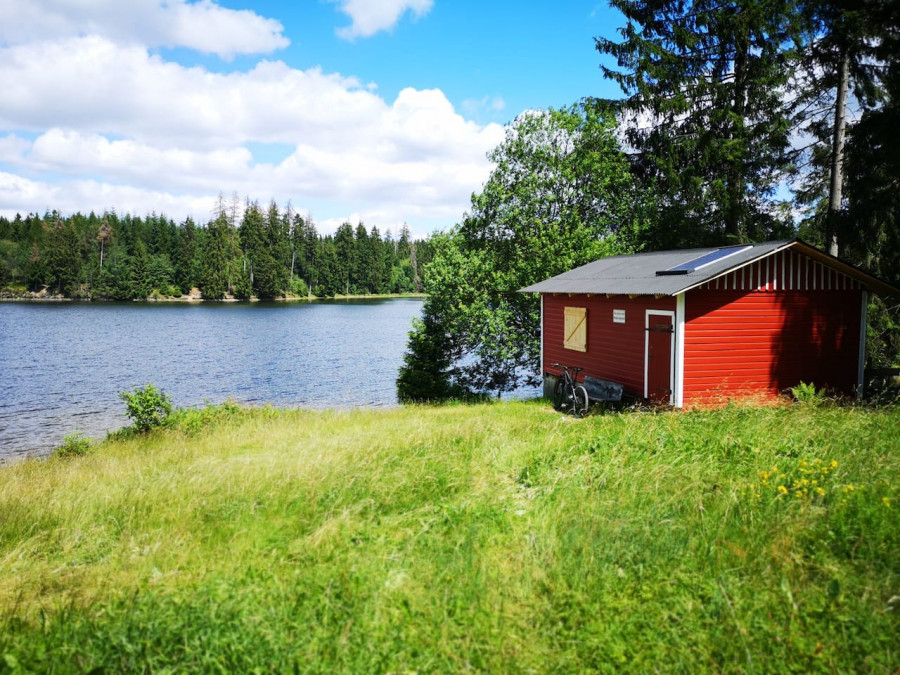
(203, 25)
(12, 148)
(155, 135)
(88, 195)
(372, 16)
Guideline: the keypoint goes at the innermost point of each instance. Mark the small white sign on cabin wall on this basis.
(618, 316)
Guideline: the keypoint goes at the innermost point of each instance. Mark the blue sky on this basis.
(372, 110)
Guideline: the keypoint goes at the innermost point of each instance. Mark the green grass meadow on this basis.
(497, 537)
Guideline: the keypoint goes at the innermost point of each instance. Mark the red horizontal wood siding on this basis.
(757, 343)
(615, 351)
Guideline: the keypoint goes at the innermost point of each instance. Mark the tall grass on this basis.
(497, 537)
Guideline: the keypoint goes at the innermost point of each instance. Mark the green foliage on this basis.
(298, 288)
(883, 334)
(11, 262)
(269, 276)
(344, 246)
(807, 394)
(59, 255)
(216, 258)
(140, 282)
(161, 275)
(74, 445)
(193, 421)
(706, 113)
(428, 373)
(148, 407)
(185, 257)
(844, 41)
(108, 257)
(872, 240)
(256, 238)
(491, 538)
(243, 288)
(561, 195)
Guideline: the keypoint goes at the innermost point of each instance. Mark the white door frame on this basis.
(679, 351)
(671, 314)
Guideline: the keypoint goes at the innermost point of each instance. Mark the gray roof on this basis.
(653, 274)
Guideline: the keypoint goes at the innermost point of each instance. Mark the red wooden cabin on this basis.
(700, 327)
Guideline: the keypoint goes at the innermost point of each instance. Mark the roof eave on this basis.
(733, 268)
(870, 281)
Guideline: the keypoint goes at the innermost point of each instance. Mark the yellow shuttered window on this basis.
(575, 333)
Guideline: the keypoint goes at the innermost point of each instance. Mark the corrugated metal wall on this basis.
(769, 326)
(615, 351)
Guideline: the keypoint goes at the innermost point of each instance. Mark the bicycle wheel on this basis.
(581, 402)
(559, 394)
(569, 398)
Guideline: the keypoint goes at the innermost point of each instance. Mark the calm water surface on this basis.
(62, 365)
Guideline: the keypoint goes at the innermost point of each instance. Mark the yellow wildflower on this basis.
(886, 501)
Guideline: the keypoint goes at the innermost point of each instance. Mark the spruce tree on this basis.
(705, 112)
(251, 235)
(345, 253)
(185, 256)
(214, 258)
(139, 278)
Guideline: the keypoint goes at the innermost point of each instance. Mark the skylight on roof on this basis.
(702, 261)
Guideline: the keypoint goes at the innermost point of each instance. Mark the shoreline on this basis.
(192, 299)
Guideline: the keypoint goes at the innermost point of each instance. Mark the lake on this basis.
(63, 364)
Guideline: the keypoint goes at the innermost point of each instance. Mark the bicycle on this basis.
(569, 396)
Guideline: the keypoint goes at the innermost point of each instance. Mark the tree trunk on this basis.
(735, 176)
(414, 263)
(837, 156)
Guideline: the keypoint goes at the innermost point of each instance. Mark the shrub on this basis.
(148, 407)
(299, 287)
(74, 445)
(808, 394)
(193, 420)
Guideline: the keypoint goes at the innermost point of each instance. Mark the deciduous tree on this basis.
(561, 195)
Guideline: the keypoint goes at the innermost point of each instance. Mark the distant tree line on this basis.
(267, 253)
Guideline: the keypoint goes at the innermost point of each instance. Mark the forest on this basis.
(241, 253)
